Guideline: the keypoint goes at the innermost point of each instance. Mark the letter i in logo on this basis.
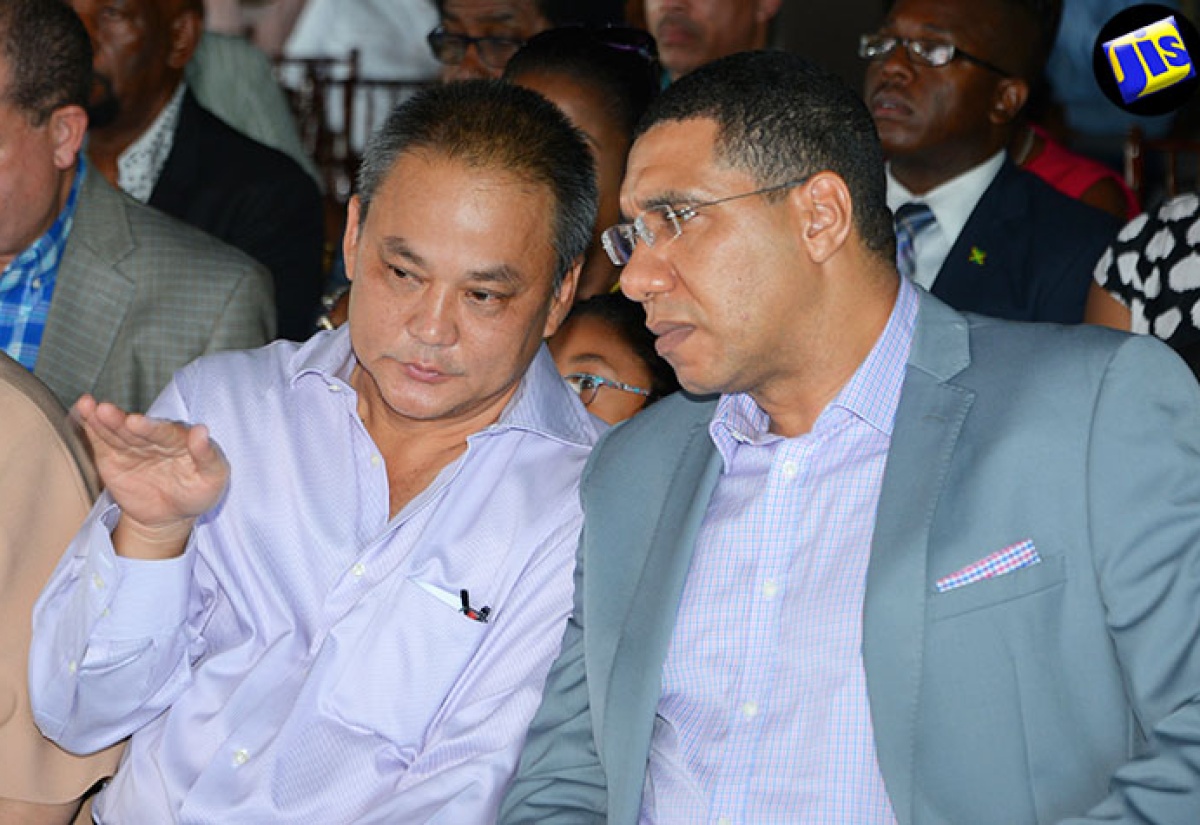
(1149, 59)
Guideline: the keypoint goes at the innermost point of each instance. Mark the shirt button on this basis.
(334, 387)
(724, 821)
(96, 580)
(770, 589)
(375, 461)
(359, 570)
(73, 666)
(750, 709)
(37, 283)
(240, 757)
(790, 469)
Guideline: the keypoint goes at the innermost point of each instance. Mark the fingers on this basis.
(109, 427)
(205, 452)
(83, 408)
(111, 430)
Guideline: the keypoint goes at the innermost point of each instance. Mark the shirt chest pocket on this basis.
(397, 661)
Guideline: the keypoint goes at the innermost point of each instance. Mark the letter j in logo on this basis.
(1149, 59)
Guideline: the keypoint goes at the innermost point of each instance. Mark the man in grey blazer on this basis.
(887, 571)
(99, 294)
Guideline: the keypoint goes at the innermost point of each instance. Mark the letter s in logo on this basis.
(1149, 59)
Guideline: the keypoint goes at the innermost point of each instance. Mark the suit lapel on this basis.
(928, 422)
(635, 679)
(178, 180)
(977, 274)
(91, 292)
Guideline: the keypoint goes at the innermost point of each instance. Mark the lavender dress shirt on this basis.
(764, 715)
(306, 658)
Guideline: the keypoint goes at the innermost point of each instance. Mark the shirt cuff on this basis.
(147, 597)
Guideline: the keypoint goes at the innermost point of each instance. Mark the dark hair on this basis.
(49, 57)
(583, 12)
(628, 319)
(620, 64)
(780, 117)
(575, 12)
(1042, 17)
(1034, 29)
(490, 124)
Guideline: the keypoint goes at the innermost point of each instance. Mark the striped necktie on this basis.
(911, 220)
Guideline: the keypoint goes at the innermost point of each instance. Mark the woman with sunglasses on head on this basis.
(607, 355)
(602, 79)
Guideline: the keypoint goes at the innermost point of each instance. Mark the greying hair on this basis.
(490, 124)
(49, 57)
(780, 117)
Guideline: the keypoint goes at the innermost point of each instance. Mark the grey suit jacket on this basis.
(1070, 688)
(138, 295)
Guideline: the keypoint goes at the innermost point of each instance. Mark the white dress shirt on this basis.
(952, 204)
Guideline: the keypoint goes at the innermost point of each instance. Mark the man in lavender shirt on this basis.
(327, 579)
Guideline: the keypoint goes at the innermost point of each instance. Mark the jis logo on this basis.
(1149, 60)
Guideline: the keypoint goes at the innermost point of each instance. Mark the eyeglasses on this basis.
(926, 52)
(666, 223)
(451, 49)
(587, 385)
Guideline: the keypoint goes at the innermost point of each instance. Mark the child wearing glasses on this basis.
(607, 355)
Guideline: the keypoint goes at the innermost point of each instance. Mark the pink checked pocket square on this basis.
(1013, 557)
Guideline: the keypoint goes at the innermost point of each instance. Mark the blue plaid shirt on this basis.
(27, 284)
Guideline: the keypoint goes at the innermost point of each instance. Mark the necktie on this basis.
(911, 220)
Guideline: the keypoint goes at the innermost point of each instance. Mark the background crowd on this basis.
(182, 178)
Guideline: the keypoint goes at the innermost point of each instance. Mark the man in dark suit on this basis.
(151, 138)
(98, 294)
(945, 83)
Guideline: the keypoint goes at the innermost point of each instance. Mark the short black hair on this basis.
(620, 64)
(583, 12)
(779, 118)
(628, 319)
(1034, 28)
(490, 124)
(575, 12)
(1040, 18)
(49, 57)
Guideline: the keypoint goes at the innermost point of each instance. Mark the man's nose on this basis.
(646, 274)
(433, 320)
(470, 67)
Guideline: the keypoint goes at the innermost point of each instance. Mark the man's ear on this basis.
(766, 10)
(187, 27)
(563, 298)
(826, 212)
(350, 238)
(68, 125)
(1008, 100)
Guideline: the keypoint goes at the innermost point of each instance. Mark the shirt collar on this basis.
(953, 201)
(543, 404)
(141, 164)
(872, 394)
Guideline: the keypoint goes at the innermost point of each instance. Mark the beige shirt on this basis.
(47, 485)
